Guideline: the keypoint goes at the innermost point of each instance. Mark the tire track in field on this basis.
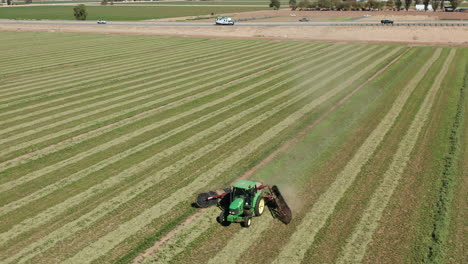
(356, 245)
(107, 128)
(35, 174)
(233, 249)
(132, 192)
(54, 91)
(127, 229)
(83, 173)
(9, 150)
(315, 219)
(114, 89)
(128, 59)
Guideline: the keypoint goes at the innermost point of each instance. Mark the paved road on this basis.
(238, 24)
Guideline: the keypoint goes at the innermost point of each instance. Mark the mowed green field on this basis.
(118, 13)
(105, 141)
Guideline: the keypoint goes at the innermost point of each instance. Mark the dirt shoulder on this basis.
(446, 35)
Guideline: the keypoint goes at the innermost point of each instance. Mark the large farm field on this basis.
(105, 141)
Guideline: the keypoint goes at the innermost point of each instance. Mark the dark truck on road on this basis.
(386, 21)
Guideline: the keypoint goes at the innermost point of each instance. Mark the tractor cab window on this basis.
(237, 192)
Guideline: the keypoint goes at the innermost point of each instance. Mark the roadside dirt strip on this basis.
(357, 244)
(232, 251)
(303, 237)
(129, 228)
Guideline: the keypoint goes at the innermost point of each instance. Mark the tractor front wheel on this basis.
(222, 219)
(247, 222)
(260, 206)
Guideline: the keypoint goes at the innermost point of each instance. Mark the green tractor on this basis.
(245, 200)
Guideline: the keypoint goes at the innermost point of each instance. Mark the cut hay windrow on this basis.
(189, 233)
(128, 84)
(127, 229)
(71, 86)
(102, 147)
(121, 91)
(100, 165)
(127, 136)
(315, 219)
(356, 245)
(126, 121)
(123, 57)
(233, 250)
(129, 57)
(23, 96)
(132, 192)
(147, 183)
(65, 56)
(8, 151)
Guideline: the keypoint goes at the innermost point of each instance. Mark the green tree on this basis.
(27, 2)
(104, 2)
(303, 4)
(293, 4)
(455, 3)
(408, 4)
(275, 4)
(398, 4)
(426, 4)
(79, 12)
(324, 3)
(390, 4)
(435, 4)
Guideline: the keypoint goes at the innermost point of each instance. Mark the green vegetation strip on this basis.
(357, 244)
(118, 13)
(303, 237)
(442, 217)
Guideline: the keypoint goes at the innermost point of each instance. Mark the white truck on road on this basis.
(224, 21)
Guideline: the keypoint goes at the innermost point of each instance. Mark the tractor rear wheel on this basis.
(260, 206)
(247, 222)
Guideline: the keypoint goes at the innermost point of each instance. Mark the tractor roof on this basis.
(244, 184)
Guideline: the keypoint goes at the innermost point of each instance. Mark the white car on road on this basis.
(224, 21)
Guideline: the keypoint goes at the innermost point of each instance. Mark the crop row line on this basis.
(356, 245)
(160, 175)
(102, 130)
(131, 64)
(132, 90)
(135, 134)
(72, 74)
(77, 57)
(131, 227)
(139, 107)
(315, 219)
(90, 81)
